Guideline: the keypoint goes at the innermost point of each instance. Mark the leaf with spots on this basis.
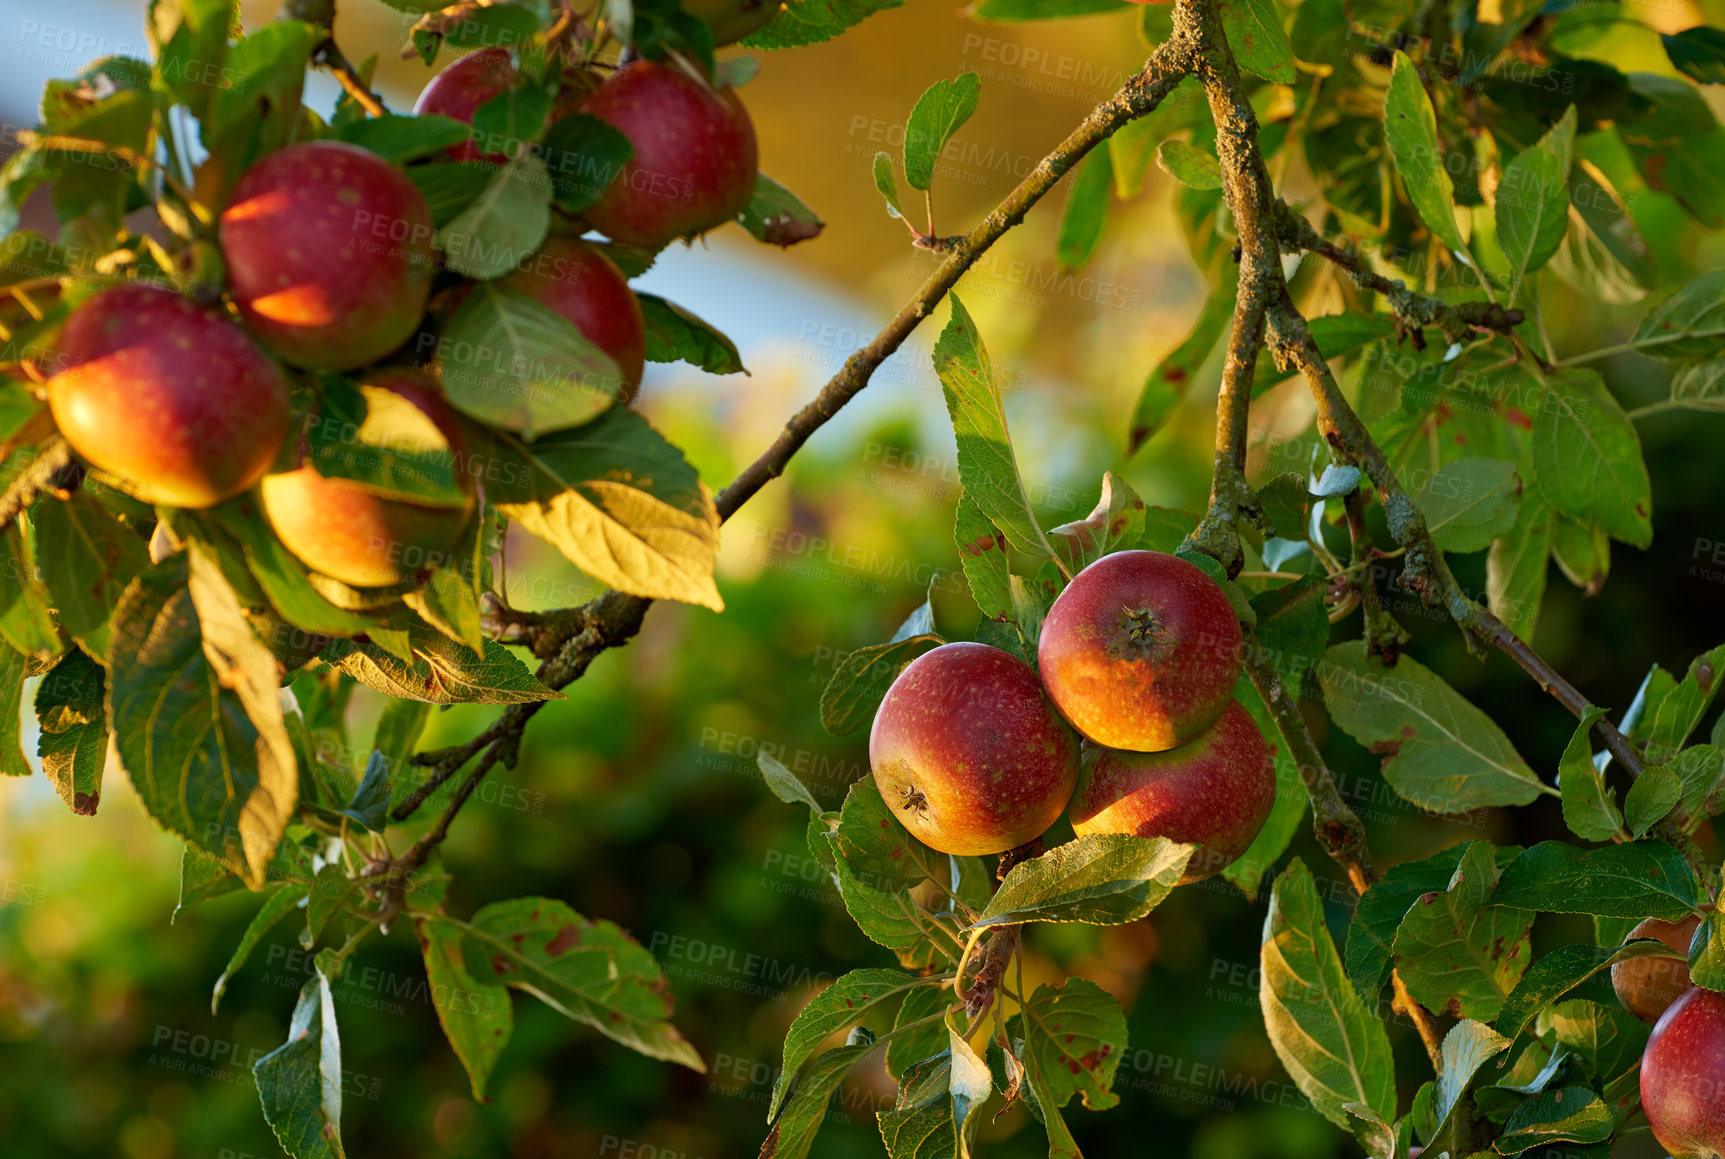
(935, 1116)
(982, 554)
(843, 1004)
(87, 557)
(1333, 1047)
(300, 1082)
(855, 690)
(442, 672)
(1259, 40)
(1074, 1035)
(1562, 970)
(1169, 382)
(1689, 324)
(879, 850)
(1587, 458)
(1117, 521)
(777, 216)
(1101, 879)
(473, 1008)
(587, 970)
(1567, 1115)
(1637, 879)
(1681, 709)
(1458, 953)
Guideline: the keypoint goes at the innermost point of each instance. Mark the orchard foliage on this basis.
(1442, 167)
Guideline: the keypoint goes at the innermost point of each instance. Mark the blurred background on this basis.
(636, 799)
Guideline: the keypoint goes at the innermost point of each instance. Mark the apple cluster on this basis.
(1683, 1065)
(1128, 723)
(190, 401)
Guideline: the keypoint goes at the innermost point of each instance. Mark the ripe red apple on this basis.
(577, 281)
(1216, 791)
(169, 396)
(1647, 986)
(329, 254)
(1141, 651)
(969, 754)
(347, 531)
(694, 165)
(1683, 1076)
(731, 20)
(460, 89)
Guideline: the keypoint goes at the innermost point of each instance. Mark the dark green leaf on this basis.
(1289, 811)
(1650, 798)
(451, 187)
(982, 554)
(475, 1013)
(1074, 1037)
(1561, 971)
(503, 225)
(1470, 502)
(1455, 950)
(1569, 1115)
(845, 1003)
(1086, 205)
(87, 559)
(794, 1132)
(857, 687)
(1532, 202)
(1678, 713)
(1589, 805)
(583, 155)
(1410, 130)
(674, 333)
(1640, 879)
(403, 139)
(935, 1113)
(1102, 879)
(278, 903)
(1114, 524)
(300, 1081)
(887, 184)
(879, 850)
(1516, 565)
(1698, 53)
(1688, 324)
(803, 22)
(1260, 43)
(1707, 953)
(1382, 909)
(282, 577)
(1587, 458)
(1467, 1047)
(73, 744)
(777, 216)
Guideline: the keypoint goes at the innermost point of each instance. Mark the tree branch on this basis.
(53, 469)
(573, 638)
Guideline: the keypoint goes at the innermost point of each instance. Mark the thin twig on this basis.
(53, 469)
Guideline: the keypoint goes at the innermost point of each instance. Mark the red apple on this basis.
(329, 254)
(1647, 986)
(731, 20)
(460, 89)
(169, 396)
(1141, 651)
(1683, 1076)
(347, 531)
(1216, 791)
(694, 165)
(969, 754)
(577, 281)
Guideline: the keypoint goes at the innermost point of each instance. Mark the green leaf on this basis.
(257, 105)
(777, 216)
(1569, 1115)
(1587, 458)
(1189, 165)
(1086, 206)
(982, 554)
(1608, 1039)
(674, 333)
(190, 39)
(1687, 325)
(282, 577)
(450, 187)
(475, 1013)
(908, 1044)
(1532, 201)
(879, 850)
(1561, 971)
(511, 119)
(1470, 502)
(73, 743)
(369, 805)
(794, 1132)
(1168, 383)
(278, 903)
(1114, 524)
(1589, 804)
(1336, 335)
(26, 609)
(1382, 909)
(586, 970)
(1700, 772)
(1102, 879)
(504, 224)
(1468, 1046)
(621, 503)
(1440, 752)
(511, 362)
(887, 184)
(1700, 385)
(1680, 711)
(442, 671)
(802, 22)
(399, 140)
(1698, 53)
(785, 785)
(447, 603)
(1650, 798)
(1639, 879)
(1707, 953)
(1289, 810)
(1458, 952)
(943, 107)
(87, 559)
(1260, 43)
(1410, 130)
(936, 1105)
(986, 465)
(197, 716)
(300, 1081)
(12, 674)
(1015, 11)
(885, 916)
(1583, 553)
(845, 1003)
(583, 156)
(1327, 1038)
(860, 683)
(1516, 565)
(1074, 1037)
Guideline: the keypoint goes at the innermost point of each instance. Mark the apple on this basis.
(166, 395)
(969, 754)
(1141, 651)
(329, 254)
(695, 162)
(579, 282)
(1683, 1076)
(731, 20)
(1646, 986)
(1216, 791)
(347, 531)
(460, 89)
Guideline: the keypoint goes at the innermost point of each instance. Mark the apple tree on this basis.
(280, 384)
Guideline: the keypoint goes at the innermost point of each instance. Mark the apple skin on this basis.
(731, 20)
(459, 90)
(165, 394)
(968, 753)
(1683, 1076)
(577, 281)
(343, 530)
(1217, 791)
(1647, 986)
(695, 159)
(1141, 651)
(329, 254)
